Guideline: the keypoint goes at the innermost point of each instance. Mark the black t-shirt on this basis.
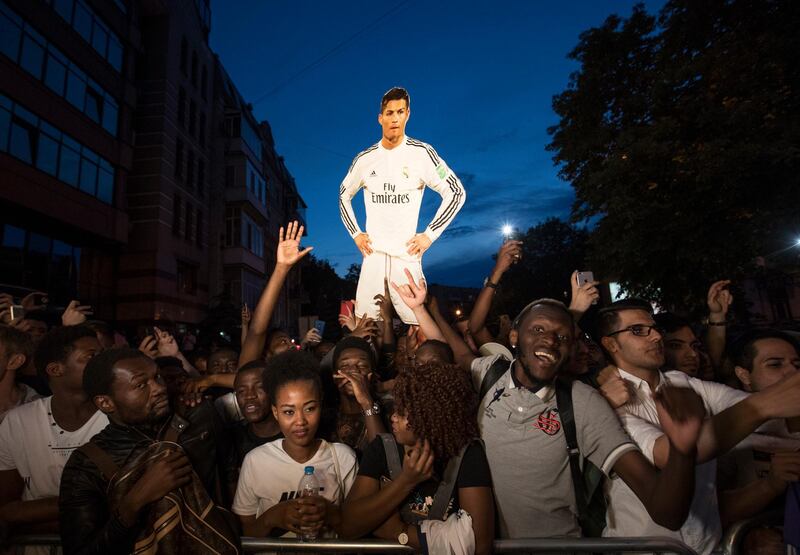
(244, 440)
(474, 473)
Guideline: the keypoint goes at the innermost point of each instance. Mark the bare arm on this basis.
(414, 297)
(509, 254)
(479, 503)
(719, 301)
(368, 505)
(288, 255)
(463, 354)
(720, 433)
(17, 512)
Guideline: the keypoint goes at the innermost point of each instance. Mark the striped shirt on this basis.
(394, 182)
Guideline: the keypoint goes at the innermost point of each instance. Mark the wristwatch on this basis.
(402, 537)
(488, 283)
(374, 410)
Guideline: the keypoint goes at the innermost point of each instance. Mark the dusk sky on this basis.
(481, 78)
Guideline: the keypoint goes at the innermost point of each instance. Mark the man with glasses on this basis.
(635, 345)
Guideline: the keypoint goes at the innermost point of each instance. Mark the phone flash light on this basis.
(507, 230)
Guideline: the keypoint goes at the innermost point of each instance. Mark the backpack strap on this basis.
(441, 499)
(101, 459)
(392, 456)
(564, 403)
(495, 371)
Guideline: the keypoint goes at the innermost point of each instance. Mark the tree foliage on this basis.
(681, 137)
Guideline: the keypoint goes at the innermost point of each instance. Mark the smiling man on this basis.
(635, 344)
(393, 174)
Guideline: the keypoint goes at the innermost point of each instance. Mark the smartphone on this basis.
(17, 312)
(584, 277)
(319, 325)
(347, 308)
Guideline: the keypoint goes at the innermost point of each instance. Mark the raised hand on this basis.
(289, 252)
(418, 244)
(509, 254)
(413, 295)
(360, 383)
(364, 244)
(29, 303)
(583, 296)
(312, 337)
(166, 344)
(149, 346)
(681, 414)
(75, 314)
(719, 300)
(245, 315)
(348, 321)
(365, 328)
(384, 302)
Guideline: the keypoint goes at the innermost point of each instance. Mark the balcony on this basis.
(240, 195)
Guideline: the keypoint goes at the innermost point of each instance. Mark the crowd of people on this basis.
(564, 420)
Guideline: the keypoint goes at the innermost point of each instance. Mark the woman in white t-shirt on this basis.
(267, 501)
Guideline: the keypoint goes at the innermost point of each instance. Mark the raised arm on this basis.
(719, 301)
(288, 255)
(720, 433)
(582, 295)
(508, 255)
(413, 296)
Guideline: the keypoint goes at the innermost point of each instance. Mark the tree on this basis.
(551, 251)
(679, 135)
(325, 291)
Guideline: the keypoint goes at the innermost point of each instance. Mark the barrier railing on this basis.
(732, 540)
(528, 545)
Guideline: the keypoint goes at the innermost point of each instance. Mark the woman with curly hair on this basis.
(439, 498)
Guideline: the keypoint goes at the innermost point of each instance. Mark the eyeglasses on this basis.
(639, 330)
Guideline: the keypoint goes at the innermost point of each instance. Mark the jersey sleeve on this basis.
(350, 186)
(441, 179)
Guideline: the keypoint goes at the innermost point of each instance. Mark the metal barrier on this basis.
(531, 545)
(735, 533)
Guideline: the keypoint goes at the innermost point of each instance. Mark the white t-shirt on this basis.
(26, 395)
(269, 475)
(626, 515)
(32, 443)
(394, 181)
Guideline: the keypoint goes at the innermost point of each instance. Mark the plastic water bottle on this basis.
(309, 485)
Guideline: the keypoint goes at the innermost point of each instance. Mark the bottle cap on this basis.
(309, 470)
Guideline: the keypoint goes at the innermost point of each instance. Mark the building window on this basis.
(203, 82)
(178, 158)
(176, 215)
(233, 227)
(184, 55)
(199, 232)
(189, 168)
(230, 176)
(201, 175)
(189, 233)
(202, 129)
(192, 117)
(252, 235)
(90, 26)
(33, 141)
(186, 278)
(181, 106)
(194, 69)
(47, 64)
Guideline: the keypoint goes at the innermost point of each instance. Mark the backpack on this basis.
(185, 521)
(587, 482)
(441, 499)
